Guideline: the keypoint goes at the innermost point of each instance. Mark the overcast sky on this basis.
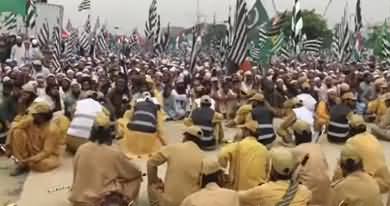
(128, 14)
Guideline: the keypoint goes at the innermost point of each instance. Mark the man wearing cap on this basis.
(35, 51)
(371, 152)
(377, 107)
(18, 51)
(264, 116)
(142, 127)
(307, 99)
(357, 187)
(184, 165)
(295, 111)
(210, 122)
(212, 193)
(113, 172)
(382, 130)
(38, 69)
(247, 159)
(35, 141)
(338, 128)
(314, 173)
(282, 188)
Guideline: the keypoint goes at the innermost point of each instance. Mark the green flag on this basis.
(16, 6)
(256, 17)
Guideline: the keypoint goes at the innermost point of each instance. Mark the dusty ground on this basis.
(36, 186)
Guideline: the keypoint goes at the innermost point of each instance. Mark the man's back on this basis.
(184, 162)
(248, 162)
(357, 189)
(212, 195)
(270, 193)
(314, 174)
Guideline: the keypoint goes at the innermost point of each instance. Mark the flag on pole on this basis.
(85, 5)
(358, 27)
(256, 17)
(97, 26)
(30, 18)
(342, 41)
(296, 26)
(16, 6)
(150, 25)
(55, 61)
(44, 35)
(10, 22)
(239, 49)
(196, 45)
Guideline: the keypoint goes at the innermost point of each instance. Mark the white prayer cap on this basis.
(34, 42)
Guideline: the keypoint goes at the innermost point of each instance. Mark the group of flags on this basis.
(249, 34)
(10, 17)
(153, 33)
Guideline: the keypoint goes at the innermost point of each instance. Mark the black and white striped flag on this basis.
(10, 22)
(296, 26)
(85, 5)
(102, 44)
(196, 46)
(85, 43)
(311, 46)
(157, 36)
(44, 35)
(342, 41)
(150, 25)
(239, 49)
(30, 18)
(56, 53)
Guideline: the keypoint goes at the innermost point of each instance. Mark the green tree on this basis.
(314, 26)
(374, 39)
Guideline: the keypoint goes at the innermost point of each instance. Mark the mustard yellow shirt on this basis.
(269, 194)
(248, 162)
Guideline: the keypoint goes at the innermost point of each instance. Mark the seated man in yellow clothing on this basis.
(212, 192)
(382, 129)
(314, 174)
(282, 189)
(36, 142)
(100, 170)
(184, 164)
(209, 121)
(141, 127)
(371, 152)
(247, 159)
(357, 187)
(377, 107)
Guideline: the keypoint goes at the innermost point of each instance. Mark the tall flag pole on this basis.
(296, 26)
(85, 37)
(55, 61)
(239, 49)
(30, 18)
(84, 5)
(196, 45)
(44, 35)
(152, 21)
(358, 27)
(341, 45)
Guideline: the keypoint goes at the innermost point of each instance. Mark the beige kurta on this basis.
(99, 169)
(184, 162)
(248, 162)
(374, 163)
(269, 194)
(314, 174)
(42, 146)
(357, 189)
(212, 195)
